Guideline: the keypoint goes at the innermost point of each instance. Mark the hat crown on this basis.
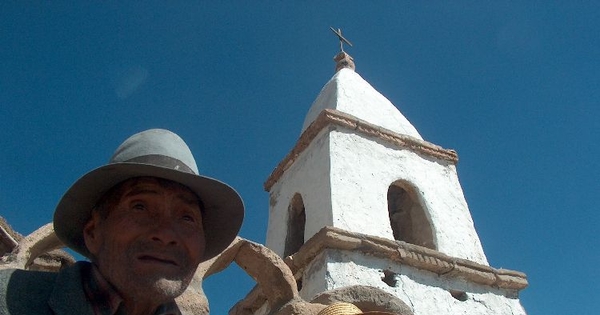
(341, 308)
(158, 147)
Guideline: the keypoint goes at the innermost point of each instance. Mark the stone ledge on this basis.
(334, 117)
(407, 254)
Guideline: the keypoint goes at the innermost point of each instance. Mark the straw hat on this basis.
(343, 308)
(156, 153)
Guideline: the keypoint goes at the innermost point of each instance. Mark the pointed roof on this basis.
(348, 92)
(349, 101)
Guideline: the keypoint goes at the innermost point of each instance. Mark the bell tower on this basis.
(362, 201)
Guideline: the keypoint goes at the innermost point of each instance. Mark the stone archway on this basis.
(39, 250)
(275, 281)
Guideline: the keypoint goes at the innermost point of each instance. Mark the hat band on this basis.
(162, 161)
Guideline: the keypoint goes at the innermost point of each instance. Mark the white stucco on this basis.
(348, 92)
(362, 171)
(309, 177)
(343, 177)
(425, 293)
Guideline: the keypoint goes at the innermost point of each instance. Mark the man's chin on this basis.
(168, 288)
(158, 288)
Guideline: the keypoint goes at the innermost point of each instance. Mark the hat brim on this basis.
(222, 217)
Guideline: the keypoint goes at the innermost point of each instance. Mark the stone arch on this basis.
(408, 216)
(39, 251)
(295, 226)
(275, 280)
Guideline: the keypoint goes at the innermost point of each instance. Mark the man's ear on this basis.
(91, 234)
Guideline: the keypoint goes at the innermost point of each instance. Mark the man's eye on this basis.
(139, 206)
(189, 218)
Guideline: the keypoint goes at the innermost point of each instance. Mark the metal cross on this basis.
(338, 32)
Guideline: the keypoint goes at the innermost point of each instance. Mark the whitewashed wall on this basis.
(308, 176)
(362, 171)
(424, 292)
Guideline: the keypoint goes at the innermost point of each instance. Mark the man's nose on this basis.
(164, 231)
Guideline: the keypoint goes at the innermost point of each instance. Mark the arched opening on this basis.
(295, 226)
(407, 216)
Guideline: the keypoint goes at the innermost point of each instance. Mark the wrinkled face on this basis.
(150, 241)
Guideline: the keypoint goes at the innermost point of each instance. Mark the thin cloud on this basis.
(131, 81)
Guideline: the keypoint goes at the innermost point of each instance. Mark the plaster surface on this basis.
(422, 291)
(348, 92)
(343, 179)
(309, 177)
(363, 169)
(354, 145)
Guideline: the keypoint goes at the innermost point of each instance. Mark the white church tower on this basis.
(368, 212)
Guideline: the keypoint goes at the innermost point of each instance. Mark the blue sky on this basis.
(513, 87)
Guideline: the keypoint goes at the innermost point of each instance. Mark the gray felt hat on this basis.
(157, 153)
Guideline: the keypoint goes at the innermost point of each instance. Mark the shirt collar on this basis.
(105, 300)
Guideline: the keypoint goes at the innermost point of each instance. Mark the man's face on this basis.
(151, 240)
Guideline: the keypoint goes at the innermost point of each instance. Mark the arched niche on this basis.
(408, 217)
(295, 226)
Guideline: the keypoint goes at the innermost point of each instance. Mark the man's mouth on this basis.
(157, 259)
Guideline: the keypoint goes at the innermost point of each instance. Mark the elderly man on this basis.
(145, 221)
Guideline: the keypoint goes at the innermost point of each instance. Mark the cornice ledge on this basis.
(331, 116)
(407, 254)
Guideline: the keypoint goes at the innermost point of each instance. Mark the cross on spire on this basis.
(343, 40)
(342, 59)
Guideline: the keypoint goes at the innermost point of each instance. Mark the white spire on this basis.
(348, 92)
